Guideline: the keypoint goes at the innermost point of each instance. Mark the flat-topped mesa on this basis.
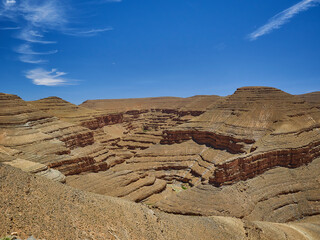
(195, 103)
(123, 105)
(267, 126)
(253, 112)
(260, 90)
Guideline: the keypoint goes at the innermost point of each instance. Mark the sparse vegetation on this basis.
(6, 238)
(184, 187)
(145, 128)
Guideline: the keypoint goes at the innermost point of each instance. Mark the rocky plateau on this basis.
(244, 166)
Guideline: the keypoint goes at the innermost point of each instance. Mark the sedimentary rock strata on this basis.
(267, 126)
(38, 169)
(252, 165)
(279, 195)
(32, 204)
(34, 135)
(217, 141)
(200, 156)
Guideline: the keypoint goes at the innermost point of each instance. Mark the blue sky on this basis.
(81, 50)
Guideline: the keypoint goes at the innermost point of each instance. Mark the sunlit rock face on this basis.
(201, 155)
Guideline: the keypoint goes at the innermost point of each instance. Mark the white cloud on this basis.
(26, 49)
(105, 1)
(40, 76)
(31, 59)
(30, 35)
(48, 14)
(10, 2)
(283, 17)
(87, 33)
(34, 19)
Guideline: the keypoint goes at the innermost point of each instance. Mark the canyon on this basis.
(243, 166)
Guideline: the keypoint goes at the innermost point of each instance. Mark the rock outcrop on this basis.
(268, 127)
(278, 195)
(200, 156)
(38, 169)
(252, 165)
(47, 210)
(217, 141)
(32, 135)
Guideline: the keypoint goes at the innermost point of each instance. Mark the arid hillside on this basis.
(249, 160)
(313, 97)
(47, 210)
(199, 103)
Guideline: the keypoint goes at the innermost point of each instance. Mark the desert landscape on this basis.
(244, 166)
(159, 120)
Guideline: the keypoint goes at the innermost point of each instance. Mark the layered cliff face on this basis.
(200, 156)
(76, 140)
(278, 195)
(47, 210)
(267, 126)
(30, 133)
(262, 129)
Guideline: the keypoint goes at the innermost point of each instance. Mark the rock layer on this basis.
(252, 165)
(194, 156)
(33, 204)
(278, 195)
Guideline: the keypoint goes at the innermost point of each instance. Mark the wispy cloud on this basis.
(283, 17)
(34, 19)
(40, 76)
(87, 33)
(32, 35)
(26, 49)
(106, 1)
(31, 59)
(8, 2)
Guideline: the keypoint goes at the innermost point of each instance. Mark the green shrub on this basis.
(184, 187)
(6, 238)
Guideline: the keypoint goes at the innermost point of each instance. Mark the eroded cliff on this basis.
(201, 155)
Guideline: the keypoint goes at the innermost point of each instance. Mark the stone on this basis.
(244, 162)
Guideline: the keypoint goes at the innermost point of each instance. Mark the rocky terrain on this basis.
(44, 209)
(246, 164)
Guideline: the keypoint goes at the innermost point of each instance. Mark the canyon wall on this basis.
(170, 152)
(252, 165)
(217, 141)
